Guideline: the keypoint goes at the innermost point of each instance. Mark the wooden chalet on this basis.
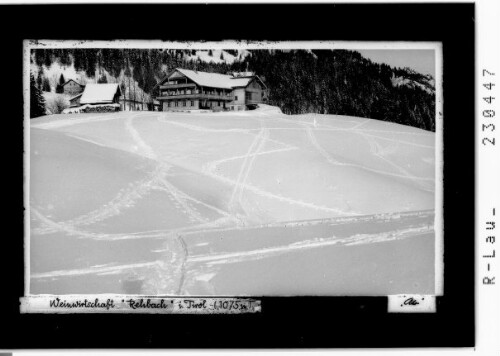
(184, 89)
(72, 88)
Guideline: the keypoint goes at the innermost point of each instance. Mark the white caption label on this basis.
(67, 304)
(411, 303)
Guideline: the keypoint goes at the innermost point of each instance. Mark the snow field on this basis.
(141, 187)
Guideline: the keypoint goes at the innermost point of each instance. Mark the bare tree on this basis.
(57, 104)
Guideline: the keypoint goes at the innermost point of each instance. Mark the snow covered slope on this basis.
(196, 203)
(218, 56)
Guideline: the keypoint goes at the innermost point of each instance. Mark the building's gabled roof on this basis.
(244, 81)
(205, 79)
(71, 80)
(214, 80)
(99, 93)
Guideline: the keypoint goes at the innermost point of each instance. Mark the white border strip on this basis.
(487, 178)
(235, 44)
(26, 164)
(439, 191)
(158, 2)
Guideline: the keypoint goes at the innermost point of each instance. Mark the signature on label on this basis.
(410, 301)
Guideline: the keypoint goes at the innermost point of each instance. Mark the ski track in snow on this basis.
(243, 185)
(179, 265)
(284, 199)
(360, 124)
(374, 151)
(307, 125)
(209, 130)
(182, 200)
(211, 167)
(94, 270)
(377, 150)
(230, 220)
(127, 198)
(393, 140)
(252, 157)
(360, 239)
(357, 131)
(237, 184)
(246, 167)
(50, 226)
(260, 192)
(143, 147)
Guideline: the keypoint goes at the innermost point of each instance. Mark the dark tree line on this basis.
(146, 66)
(322, 81)
(37, 102)
(345, 83)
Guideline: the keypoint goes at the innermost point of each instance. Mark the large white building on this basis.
(184, 89)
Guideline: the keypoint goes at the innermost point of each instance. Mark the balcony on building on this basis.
(181, 91)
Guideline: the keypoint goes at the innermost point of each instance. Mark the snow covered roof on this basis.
(241, 82)
(76, 96)
(99, 93)
(215, 80)
(243, 74)
(71, 80)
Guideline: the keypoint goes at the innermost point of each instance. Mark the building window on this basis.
(192, 103)
(184, 102)
(236, 97)
(248, 96)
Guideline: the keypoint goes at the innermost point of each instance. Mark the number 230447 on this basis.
(488, 113)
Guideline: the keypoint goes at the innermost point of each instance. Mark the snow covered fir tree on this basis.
(37, 101)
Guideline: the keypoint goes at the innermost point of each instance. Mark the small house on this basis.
(99, 94)
(72, 88)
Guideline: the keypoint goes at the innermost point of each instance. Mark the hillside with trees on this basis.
(343, 82)
(320, 81)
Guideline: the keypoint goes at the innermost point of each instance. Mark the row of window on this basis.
(182, 103)
(248, 95)
(178, 103)
(196, 91)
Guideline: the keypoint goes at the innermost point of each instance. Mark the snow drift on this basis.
(243, 203)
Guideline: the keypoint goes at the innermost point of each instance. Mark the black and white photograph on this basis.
(233, 168)
(248, 176)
